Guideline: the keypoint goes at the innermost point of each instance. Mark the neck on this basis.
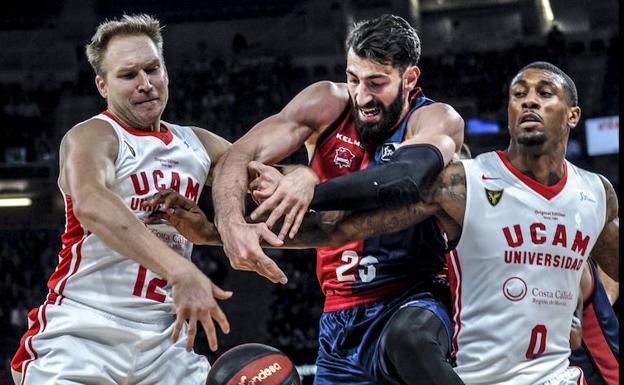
(546, 167)
(154, 127)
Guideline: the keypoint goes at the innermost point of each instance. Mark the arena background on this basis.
(232, 63)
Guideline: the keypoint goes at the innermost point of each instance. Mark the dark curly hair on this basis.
(387, 39)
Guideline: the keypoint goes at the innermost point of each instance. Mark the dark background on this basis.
(232, 63)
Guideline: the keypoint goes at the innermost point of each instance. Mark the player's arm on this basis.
(576, 332)
(215, 146)
(612, 288)
(88, 154)
(434, 135)
(445, 199)
(606, 251)
(271, 140)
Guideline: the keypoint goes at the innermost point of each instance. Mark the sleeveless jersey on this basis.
(516, 271)
(91, 273)
(381, 266)
(599, 354)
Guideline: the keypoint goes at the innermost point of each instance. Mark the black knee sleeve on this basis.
(415, 348)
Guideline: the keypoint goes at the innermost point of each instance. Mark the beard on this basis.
(532, 139)
(373, 134)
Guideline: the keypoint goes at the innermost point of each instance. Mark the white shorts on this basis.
(573, 375)
(75, 344)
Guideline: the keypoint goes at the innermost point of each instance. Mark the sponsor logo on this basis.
(493, 196)
(130, 148)
(387, 150)
(515, 289)
(262, 375)
(555, 297)
(485, 177)
(346, 139)
(587, 197)
(344, 157)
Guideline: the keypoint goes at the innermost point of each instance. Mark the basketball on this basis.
(251, 364)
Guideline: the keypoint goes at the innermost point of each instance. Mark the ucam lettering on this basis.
(519, 257)
(541, 234)
(144, 182)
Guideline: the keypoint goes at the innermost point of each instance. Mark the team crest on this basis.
(493, 196)
(387, 149)
(344, 157)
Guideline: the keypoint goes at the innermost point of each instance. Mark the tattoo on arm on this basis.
(607, 248)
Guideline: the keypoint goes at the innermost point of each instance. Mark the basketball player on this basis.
(382, 322)
(524, 222)
(119, 297)
(599, 353)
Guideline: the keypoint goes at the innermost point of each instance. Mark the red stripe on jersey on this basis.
(599, 348)
(547, 192)
(74, 234)
(165, 135)
(455, 281)
(25, 353)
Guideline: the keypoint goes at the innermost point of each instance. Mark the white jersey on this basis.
(516, 270)
(91, 273)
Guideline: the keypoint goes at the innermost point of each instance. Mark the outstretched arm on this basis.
(606, 251)
(87, 170)
(269, 141)
(445, 199)
(434, 135)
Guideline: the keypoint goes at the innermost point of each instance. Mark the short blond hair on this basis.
(127, 25)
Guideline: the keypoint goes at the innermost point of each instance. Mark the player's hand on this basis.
(194, 297)
(264, 180)
(241, 243)
(290, 198)
(182, 213)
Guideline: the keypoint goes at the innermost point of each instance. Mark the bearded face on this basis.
(375, 121)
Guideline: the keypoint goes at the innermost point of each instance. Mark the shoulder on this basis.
(92, 133)
(318, 103)
(437, 118)
(214, 144)
(437, 111)
(324, 95)
(611, 198)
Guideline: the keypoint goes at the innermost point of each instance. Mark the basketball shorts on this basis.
(349, 340)
(75, 344)
(573, 375)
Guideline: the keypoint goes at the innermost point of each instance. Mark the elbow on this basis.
(85, 209)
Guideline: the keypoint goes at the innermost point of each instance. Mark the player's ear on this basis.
(410, 78)
(574, 115)
(100, 84)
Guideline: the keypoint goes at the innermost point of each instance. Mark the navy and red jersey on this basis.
(385, 265)
(599, 354)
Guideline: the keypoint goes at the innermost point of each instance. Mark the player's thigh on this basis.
(165, 362)
(73, 345)
(17, 377)
(571, 376)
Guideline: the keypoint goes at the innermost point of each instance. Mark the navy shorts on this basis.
(349, 340)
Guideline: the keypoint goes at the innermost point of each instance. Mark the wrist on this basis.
(308, 173)
(178, 271)
(221, 223)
